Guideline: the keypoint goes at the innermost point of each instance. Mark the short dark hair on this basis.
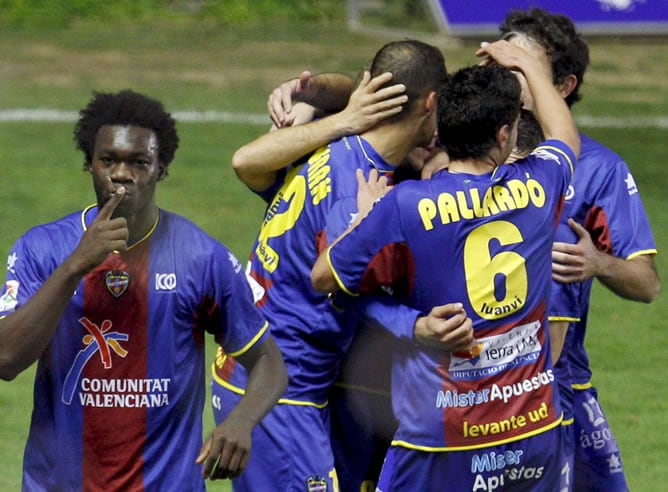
(529, 133)
(417, 65)
(473, 105)
(566, 49)
(127, 108)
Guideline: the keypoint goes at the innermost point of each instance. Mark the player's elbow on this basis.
(240, 162)
(651, 291)
(650, 285)
(321, 278)
(8, 368)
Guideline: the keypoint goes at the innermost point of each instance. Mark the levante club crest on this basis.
(117, 282)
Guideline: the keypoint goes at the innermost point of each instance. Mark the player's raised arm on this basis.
(257, 162)
(25, 333)
(551, 110)
(329, 92)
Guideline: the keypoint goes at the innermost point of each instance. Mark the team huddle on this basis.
(413, 313)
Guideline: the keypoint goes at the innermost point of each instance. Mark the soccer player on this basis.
(614, 243)
(490, 417)
(307, 197)
(362, 422)
(115, 301)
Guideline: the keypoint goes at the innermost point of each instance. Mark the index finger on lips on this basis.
(109, 207)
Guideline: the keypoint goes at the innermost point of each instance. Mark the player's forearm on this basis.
(267, 380)
(25, 334)
(387, 313)
(558, 330)
(635, 279)
(328, 91)
(257, 163)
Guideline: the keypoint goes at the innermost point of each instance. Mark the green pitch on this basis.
(225, 70)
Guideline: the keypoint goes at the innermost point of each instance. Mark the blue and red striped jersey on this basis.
(485, 241)
(312, 335)
(119, 392)
(605, 199)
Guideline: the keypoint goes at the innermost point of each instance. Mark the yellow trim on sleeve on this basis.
(641, 253)
(559, 151)
(568, 422)
(585, 386)
(435, 449)
(338, 280)
(563, 318)
(252, 342)
(240, 391)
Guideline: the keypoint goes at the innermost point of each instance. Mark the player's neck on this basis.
(392, 142)
(140, 225)
(472, 166)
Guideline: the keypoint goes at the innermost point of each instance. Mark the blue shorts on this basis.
(598, 464)
(362, 429)
(528, 465)
(566, 397)
(290, 448)
(568, 457)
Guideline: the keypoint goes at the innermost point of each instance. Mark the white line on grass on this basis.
(55, 115)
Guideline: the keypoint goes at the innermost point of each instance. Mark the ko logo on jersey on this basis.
(165, 281)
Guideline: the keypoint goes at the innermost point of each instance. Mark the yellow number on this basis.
(335, 479)
(482, 269)
(368, 486)
(293, 192)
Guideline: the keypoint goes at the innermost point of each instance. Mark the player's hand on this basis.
(103, 236)
(226, 450)
(279, 103)
(576, 262)
(301, 113)
(427, 160)
(370, 190)
(512, 57)
(371, 103)
(446, 327)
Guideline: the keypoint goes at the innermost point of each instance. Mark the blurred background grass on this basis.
(200, 56)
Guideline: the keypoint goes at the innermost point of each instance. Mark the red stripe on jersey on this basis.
(114, 425)
(393, 266)
(596, 224)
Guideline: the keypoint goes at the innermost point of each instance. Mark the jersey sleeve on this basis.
(240, 324)
(384, 312)
(358, 259)
(556, 150)
(23, 277)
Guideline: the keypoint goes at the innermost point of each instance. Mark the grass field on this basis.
(198, 68)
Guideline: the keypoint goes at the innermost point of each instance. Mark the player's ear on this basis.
(503, 135)
(162, 171)
(431, 102)
(567, 86)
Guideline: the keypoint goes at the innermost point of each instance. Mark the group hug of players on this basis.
(413, 314)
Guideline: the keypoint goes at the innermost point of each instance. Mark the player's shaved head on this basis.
(417, 65)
